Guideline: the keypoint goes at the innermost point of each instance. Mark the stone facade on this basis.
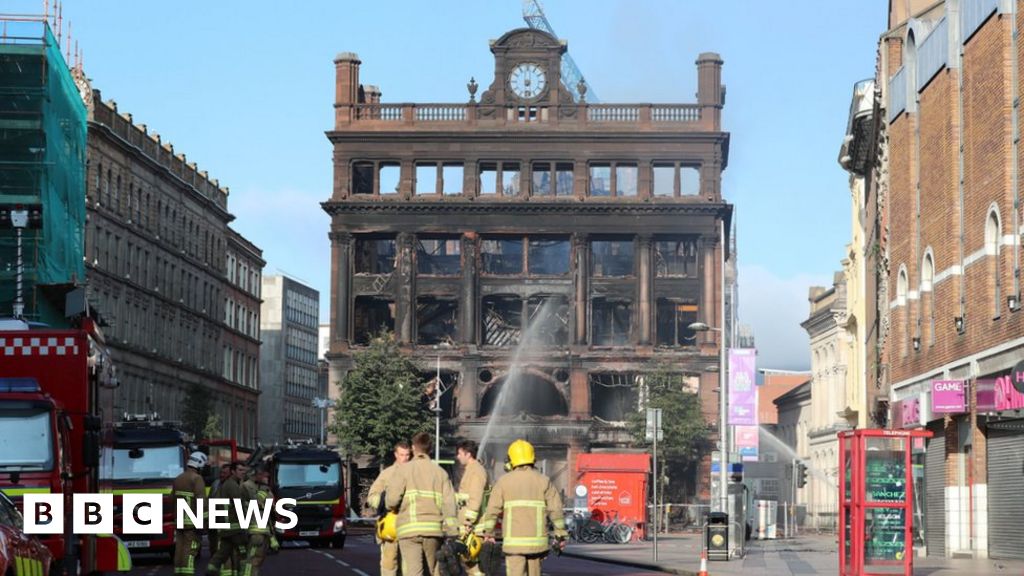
(528, 230)
(156, 246)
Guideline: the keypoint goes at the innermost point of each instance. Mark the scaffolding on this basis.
(42, 167)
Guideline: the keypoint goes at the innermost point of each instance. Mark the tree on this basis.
(197, 412)
(382, 401)
(685, 438)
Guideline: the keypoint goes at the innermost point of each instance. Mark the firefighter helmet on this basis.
(196, 460)
(387, 527)
(520, 453)
(473, 545)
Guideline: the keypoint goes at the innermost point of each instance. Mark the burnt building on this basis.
(547, 250)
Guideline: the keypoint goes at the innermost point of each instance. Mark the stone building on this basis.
(156, 244)
(534, 243)
(950, 189)
(289, 368)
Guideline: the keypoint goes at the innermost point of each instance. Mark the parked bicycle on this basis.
(590, 531)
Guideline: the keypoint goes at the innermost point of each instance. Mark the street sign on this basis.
(653, 424)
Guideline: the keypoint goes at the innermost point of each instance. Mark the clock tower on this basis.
(527, 70)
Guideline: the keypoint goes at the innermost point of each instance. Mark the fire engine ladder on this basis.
(533, 13)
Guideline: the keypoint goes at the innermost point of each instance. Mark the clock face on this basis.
(527, 80)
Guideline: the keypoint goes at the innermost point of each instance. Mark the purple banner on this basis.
(742, 390)
(999, 394)
(986, 390)
(949, 396)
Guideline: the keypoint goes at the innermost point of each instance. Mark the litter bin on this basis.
(716, 536)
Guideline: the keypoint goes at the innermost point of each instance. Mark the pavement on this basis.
(804, 555)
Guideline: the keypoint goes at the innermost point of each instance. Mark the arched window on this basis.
(903, 330)
(927, 295)
(993, 235)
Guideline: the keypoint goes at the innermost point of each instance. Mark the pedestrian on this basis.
(224, 472)
(470, 496)
(232, 549)
(422, 493)
(260, 538)
(526, 500)
(375, 500)
(189, 487)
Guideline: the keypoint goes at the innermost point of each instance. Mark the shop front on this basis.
(1002, 400)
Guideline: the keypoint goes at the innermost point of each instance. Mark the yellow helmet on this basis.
(520, 453)
(473, 546)
(387, 527)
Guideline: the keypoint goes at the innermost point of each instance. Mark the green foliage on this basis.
(197, 411)
(686, 433)
(382, 401)
(212, 429)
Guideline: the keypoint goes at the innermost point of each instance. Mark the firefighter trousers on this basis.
(389, 558)
(523, 564)
(258, 544)
(186, 548)
(232, 549)
(419, 555)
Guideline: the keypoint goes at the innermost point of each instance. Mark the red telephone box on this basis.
(876, 501)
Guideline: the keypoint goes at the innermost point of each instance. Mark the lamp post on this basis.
(322, 404)
(438, 392)
(723, 383)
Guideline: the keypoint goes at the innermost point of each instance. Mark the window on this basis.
(388, 177)
(689, 181)
(674, 320)
(600, 180)
(927, 295)
(614, 396)
(563, 179)
(610, 322)
(362, 178)
(375, 255)
(664, 180)
(548, 256)
(502, 320)
(608, 177)
(675, 179)
(372, 316)
(426, 179)
(675, 258)
(562, 185)
(452, 179)
(548, 320)
(993, 237)
(502, 256)
(439, 256)
(625, 180)
(611, 258)
(436, 320)
(499, 178)
(541, 179)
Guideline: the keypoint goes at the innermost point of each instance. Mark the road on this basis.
(359, 558)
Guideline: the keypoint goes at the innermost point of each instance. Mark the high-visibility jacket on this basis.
(190, 487)
(526, 500)
(471, 492)
(231, 490)
(373, 498)
(260, 494)
(422, 493)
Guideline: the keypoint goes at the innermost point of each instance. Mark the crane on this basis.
(533, 13)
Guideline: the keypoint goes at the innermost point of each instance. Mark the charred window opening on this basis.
(502, 256)
(548, 320)
(375, 255)
(676, 258)
(689, 181)
(449, 382)
(362, 177)
(439, 256)
(371, 317)
(528, 394)
(611, 322)
(664, 180)
(563, 179)
(614, 396)
(503, 320)
(611, 258)
(545, 185)
(452, 178)
(499, 178)
(674, 319)
(600, 180)
(549, 257)
(437, 321)
(626, 177)
(390, 176)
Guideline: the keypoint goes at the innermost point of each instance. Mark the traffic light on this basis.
(801, 475)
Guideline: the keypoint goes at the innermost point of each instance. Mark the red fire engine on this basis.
(55, 385)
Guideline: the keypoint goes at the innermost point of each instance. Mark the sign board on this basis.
(999, 394)
(949, 396)
(742, 389)
(654, 424)
(748, 443)
(885, 528)
(1017, 376)
(910, 412)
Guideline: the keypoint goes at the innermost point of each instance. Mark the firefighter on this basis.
(423, 496)
(188, 486)
(470, 496)
(233, 540)
(388, 542)
(259, 538)
(526, 500)
(223, 474)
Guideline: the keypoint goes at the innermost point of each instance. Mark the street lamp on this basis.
(438, 392)
(723, 411)
(322, 404)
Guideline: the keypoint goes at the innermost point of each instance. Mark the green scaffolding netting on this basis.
(42, 162)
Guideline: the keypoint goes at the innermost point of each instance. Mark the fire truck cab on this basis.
(313, 476)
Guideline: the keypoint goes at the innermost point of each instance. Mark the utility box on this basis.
(767, 515)
(615, 486)
(716, 536)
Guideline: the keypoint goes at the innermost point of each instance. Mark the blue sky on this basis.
(245, 89)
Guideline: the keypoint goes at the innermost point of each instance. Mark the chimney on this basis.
(346, 87)
(710, 92)
(372, 94)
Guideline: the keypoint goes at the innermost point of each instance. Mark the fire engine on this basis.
(144, 454)
(312, 475)
(55, 385)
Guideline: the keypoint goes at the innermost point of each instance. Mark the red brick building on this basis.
(949, 192)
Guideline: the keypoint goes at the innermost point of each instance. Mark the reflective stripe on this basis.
(14, 492)
(559, 523)
(525, 541)
(124, 558)
(471, 515)
(335, 501)
(540, 534)
(419, 528)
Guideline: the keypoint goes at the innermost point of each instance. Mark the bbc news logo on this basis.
(144, 513)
